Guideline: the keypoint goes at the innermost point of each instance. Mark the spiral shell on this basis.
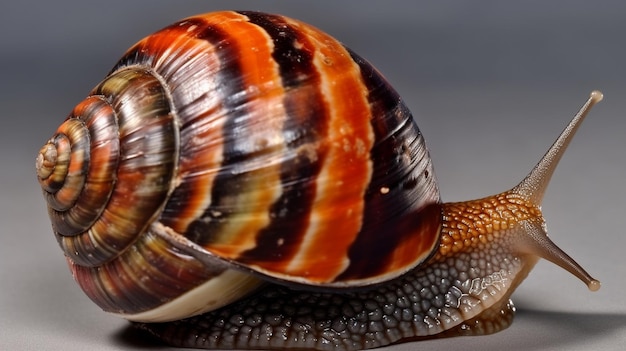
(235, 143)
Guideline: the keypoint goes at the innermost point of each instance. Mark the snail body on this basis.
(243, 180)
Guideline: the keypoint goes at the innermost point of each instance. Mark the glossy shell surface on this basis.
(238, 142)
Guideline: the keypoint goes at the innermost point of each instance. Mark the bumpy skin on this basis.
(464, 294)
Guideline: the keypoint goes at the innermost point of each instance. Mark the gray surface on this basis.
(490, 84)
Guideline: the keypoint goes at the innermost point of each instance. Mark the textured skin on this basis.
(447, 294)
(423, 304)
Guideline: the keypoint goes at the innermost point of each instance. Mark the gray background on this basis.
(490, 83)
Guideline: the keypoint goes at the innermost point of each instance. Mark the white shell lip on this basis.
(217, 292)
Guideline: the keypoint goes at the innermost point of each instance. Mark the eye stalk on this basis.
(533, 187)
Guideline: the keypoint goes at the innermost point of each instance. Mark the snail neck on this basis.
(508, 225)
(471, 224)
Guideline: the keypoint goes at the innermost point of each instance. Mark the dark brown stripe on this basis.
(306, 123)
(396, 135)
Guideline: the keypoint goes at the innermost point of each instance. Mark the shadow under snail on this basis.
(243, 180)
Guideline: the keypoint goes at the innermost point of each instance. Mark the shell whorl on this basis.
(118, 146)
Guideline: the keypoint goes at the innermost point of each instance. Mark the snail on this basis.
(243, 180)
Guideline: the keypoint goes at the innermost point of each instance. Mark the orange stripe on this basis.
(338, 207)
(264, 97)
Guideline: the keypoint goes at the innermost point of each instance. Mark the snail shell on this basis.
(236, 148)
